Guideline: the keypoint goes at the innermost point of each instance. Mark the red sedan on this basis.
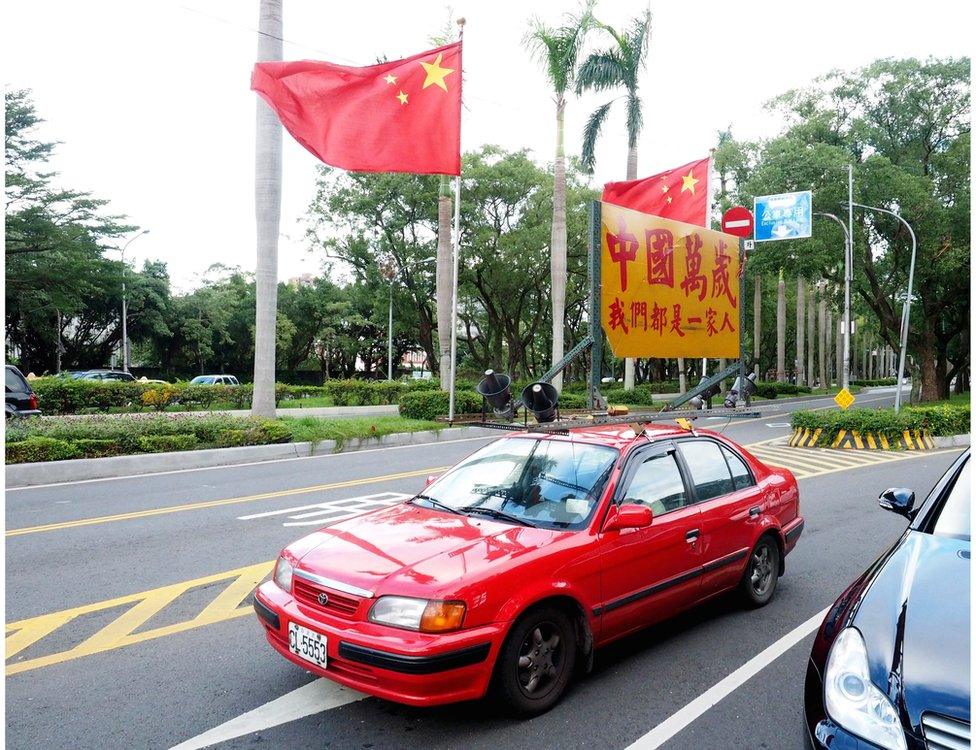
(507, 572)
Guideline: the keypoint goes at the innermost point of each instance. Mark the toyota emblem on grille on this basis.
(323, 598)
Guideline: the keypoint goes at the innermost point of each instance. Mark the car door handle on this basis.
(692, 536)
(754, 511)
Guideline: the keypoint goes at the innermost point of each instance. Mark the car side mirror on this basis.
(629, 516)
(900, 500)
(431, 478)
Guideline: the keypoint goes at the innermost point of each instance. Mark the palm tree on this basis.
(267, 213)
(558, 49)
(604, 70)
(781, 329)
(800, 319)
(756, 321)
(445, 277)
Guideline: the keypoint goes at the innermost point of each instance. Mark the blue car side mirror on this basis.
(900, 500)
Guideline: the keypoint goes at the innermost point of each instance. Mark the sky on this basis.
(151, 100)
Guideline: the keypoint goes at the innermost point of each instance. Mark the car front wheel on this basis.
(536, 662)
(759, 581)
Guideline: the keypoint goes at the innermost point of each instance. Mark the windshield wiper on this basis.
(499, 514)
(437, 504)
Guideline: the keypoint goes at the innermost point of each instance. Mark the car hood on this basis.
(914, 617)
(423, 551)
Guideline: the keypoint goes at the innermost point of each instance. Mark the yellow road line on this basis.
(120, 632)
(218, 503)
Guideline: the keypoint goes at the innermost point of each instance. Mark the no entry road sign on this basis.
(738, 221)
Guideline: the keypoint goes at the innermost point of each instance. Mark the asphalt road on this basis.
(128, 623)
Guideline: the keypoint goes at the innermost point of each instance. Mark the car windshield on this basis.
(14, 382)
(553, 483)
(202, 380)
(954, 516)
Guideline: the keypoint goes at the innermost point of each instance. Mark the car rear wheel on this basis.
(762, 572)
(536, 662)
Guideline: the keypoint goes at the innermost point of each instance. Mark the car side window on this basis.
(657, 483)
(741, 476)
(709, 472)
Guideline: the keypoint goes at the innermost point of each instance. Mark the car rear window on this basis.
(709, 471)
(15, 382)
(953, 519)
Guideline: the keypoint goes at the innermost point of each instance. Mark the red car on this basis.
(510, 569)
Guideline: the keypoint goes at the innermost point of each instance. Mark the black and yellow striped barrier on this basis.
(912, 440)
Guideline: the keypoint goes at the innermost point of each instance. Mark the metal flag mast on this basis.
(456, 252)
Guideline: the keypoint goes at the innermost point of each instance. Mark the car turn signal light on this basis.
(440, 616)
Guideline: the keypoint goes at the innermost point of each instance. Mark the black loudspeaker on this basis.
(541, 400)
(699, 401)
(733, 394)
(495, 389)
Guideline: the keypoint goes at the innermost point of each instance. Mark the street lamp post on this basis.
(389, 328)
(848, 263)
(125, 309)
(907, 306)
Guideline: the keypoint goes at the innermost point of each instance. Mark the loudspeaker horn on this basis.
(495, 388)
(541, 400)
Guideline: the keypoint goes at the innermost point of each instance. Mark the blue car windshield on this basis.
(550, 483)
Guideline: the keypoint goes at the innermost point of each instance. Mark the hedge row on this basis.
(773, 388)
(871, 383)
(938, 419)
(66, 396)
(95, 437)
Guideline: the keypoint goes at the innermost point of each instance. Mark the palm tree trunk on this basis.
(267, 205)
(822, 349)
(631, 175)
(557, 261)
(445, 272)
(830, 347)
(801, 312)
(839, 350)
(781, 329)
(811, 332)
(756, 321)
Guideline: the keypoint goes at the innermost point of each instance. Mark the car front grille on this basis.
(943, 733)
(339, 605)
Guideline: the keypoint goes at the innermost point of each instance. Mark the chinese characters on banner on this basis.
(668, 289)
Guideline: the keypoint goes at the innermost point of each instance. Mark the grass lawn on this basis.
(305, 403)
(310, 429)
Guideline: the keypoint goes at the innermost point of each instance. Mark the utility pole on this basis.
(125, 308)
(845, 377)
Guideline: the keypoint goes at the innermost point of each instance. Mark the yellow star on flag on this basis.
(435, 73)
(391, 78)
(665, 188)
(689, 181)
(402, 97)
(669, 200)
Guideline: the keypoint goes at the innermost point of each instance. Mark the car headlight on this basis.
(425, 615)
(283, 573)
(853, 701)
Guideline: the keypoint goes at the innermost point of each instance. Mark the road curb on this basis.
(81, 469)
(913, 440)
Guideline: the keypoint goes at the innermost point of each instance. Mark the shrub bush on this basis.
(161, 397)
(773, 388)
(39, 448)
(430, 404)
(640, 396)
(166, 443)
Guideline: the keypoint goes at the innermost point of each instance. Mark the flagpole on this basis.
(454, 281)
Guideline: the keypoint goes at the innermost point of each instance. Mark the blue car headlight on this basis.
(853, 701)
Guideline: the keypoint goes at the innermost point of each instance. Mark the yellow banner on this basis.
(668, 289)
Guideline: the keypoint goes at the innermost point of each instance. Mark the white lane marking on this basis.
(724, 687)
(249, 463)
(349, 505)
(777, 424)
(318, 695)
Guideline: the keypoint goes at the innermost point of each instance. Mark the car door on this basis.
(651, 573)
(731, 509)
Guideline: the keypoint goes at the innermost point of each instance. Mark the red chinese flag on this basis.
(680, 194)
(401, 116)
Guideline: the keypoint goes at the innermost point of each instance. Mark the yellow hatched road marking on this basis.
(806, 462)
(120, 632)
(217, 503)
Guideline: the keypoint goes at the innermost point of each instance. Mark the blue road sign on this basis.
(787, 216)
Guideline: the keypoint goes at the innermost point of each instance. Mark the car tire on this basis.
(762, 573)
(536, 662)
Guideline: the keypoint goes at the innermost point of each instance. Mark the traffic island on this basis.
(914, 428)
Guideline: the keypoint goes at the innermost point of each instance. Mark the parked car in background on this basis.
(106, 375)
(214, 380)
(511, 568)
(21, 399)
(890, 663)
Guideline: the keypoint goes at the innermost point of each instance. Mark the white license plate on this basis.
(308, 644)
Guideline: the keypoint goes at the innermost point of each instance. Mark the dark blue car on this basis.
(890, 664)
